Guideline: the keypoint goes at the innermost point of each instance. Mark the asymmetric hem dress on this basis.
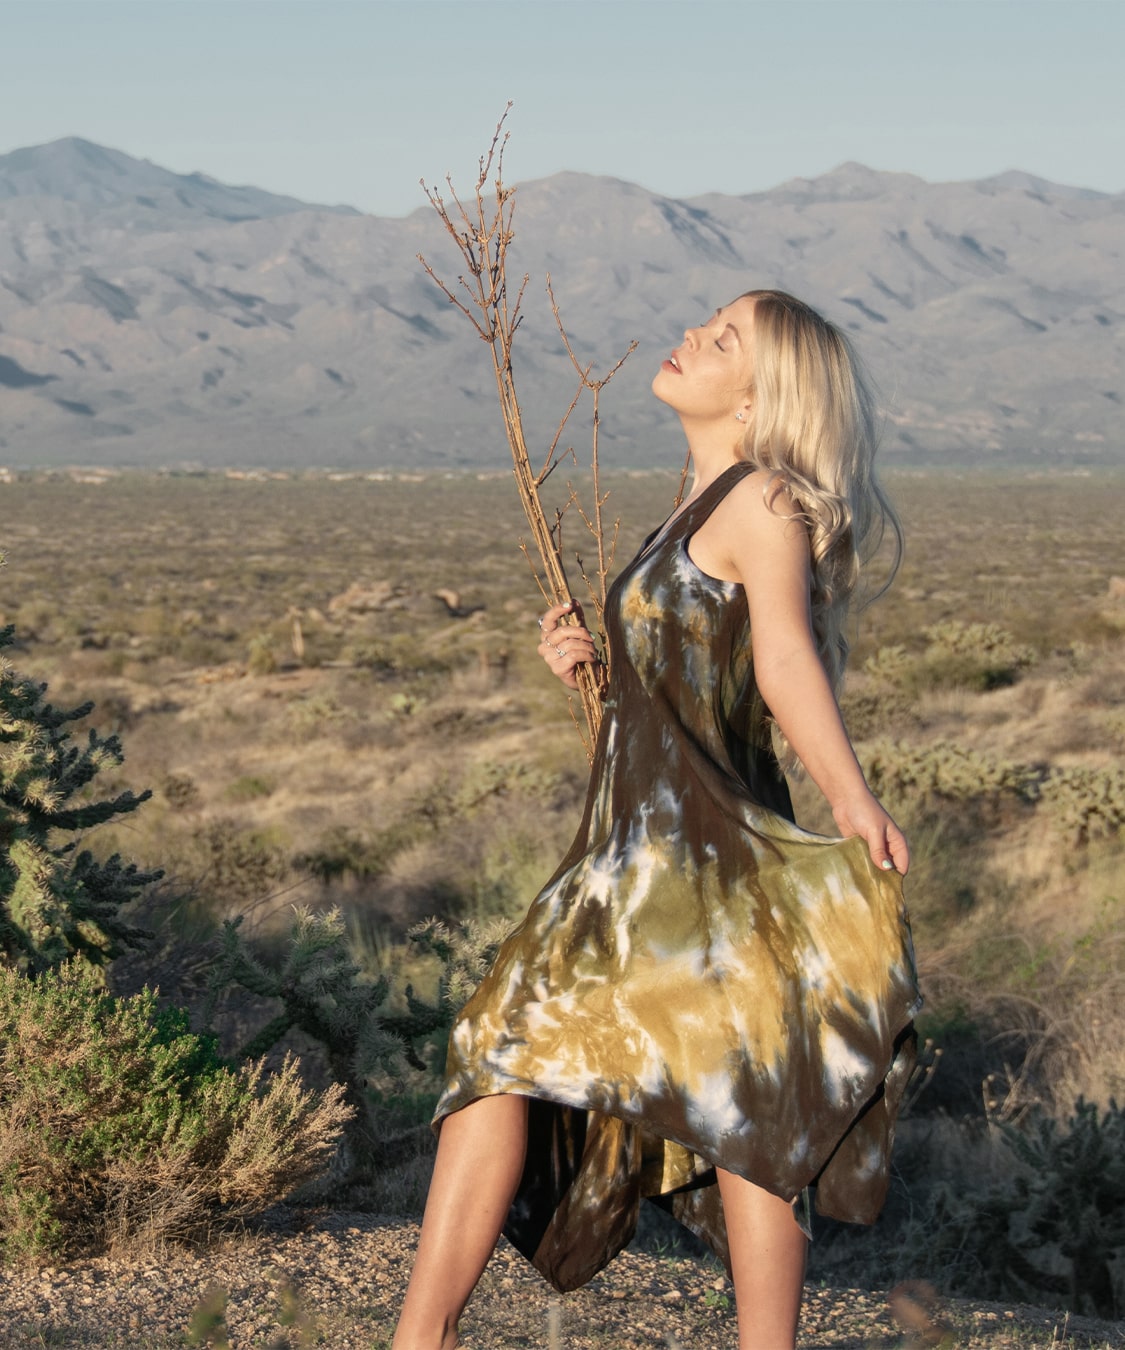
(701, 983)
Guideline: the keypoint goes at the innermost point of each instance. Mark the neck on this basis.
(713, 451)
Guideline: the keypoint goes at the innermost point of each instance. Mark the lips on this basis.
(671, 364)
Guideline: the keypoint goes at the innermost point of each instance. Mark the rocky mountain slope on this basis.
(154, 318)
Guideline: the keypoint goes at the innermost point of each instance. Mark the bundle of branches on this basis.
(483, 234)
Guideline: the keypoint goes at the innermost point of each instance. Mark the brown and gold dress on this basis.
(701, 983)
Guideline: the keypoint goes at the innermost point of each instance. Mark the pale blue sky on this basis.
(354, 100)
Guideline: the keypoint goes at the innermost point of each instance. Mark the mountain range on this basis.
(154, 318)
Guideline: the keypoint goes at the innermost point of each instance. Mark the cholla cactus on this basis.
(56, 902)
(947, 771)
(969, 655)
(322, 993)
(1086, 803)
(1055, 1221)
(465, 956)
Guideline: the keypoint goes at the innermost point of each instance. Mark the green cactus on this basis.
(56, 902)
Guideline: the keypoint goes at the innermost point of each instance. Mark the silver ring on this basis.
(558, 650)
(539, 621)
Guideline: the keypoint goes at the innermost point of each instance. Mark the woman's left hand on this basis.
(865, 816)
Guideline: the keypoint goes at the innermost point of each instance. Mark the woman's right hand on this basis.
(564, 647)
(866, 816)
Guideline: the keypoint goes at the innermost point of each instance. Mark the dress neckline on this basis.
(667, 529)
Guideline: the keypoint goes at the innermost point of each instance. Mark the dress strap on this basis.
(696, 512)
(693, 513)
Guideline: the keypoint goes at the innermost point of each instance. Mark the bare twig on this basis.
(482, 231)
(683, 482)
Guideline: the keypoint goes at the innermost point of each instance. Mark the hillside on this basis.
(152, 318)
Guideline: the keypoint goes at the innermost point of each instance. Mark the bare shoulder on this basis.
(755, 532)
(759, 506)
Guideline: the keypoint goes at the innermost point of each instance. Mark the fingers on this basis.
(898, 848)
(889, 849)
(550, 621)
(565, 646)
(885, 841)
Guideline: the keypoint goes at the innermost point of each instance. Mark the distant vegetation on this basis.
(331, 688)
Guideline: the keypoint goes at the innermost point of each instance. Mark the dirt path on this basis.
(337, 1279)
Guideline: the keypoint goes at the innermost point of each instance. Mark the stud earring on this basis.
(738, 417)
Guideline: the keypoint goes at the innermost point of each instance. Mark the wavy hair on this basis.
(813, 428)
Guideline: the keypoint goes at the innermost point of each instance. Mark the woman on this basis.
(705, 1006)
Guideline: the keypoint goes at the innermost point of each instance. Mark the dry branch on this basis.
(483, 234)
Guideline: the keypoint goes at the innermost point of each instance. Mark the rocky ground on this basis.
(320, 1279)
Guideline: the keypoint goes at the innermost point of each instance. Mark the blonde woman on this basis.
(706, 1006)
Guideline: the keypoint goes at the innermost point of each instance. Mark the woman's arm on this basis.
(769, 555)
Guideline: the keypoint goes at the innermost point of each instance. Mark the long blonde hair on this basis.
(813, 428)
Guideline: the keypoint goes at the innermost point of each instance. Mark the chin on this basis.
(660, 386)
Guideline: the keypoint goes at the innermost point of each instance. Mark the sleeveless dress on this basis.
(701, 983)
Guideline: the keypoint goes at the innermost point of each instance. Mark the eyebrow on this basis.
(730, 325)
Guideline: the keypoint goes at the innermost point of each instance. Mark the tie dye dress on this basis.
(701, 983)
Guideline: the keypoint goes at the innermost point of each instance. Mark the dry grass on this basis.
(432, 752)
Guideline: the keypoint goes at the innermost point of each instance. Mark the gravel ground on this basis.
(332, 1279)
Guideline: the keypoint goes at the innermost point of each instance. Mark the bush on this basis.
(1052, 1222)
(118, 1124)
(1085, 803)
(957, 655)
(240, 866)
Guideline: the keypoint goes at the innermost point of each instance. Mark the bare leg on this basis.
(480, 1160)
(767, 1250)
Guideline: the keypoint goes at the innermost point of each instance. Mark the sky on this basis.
(355, 100)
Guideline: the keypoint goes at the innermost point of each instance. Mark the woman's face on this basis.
(708, 377)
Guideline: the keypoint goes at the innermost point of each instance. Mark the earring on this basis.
(738, 417)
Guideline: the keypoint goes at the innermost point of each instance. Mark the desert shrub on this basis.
(249, 787)
(484, 786)
(239, 866)
(370, 654)
(466, 954)
(973, 655)
(1084, 803)
(404, 704)
(947, 771)
(977, 656)
(56, 900)
(491, 780)
(323, 991)
(261, 658)
(890, 664)
(1051, 1221)
(871, 708)
(341, 852)
(315, 716)
(120, 1124)
(374, 1035)
(180, 791)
